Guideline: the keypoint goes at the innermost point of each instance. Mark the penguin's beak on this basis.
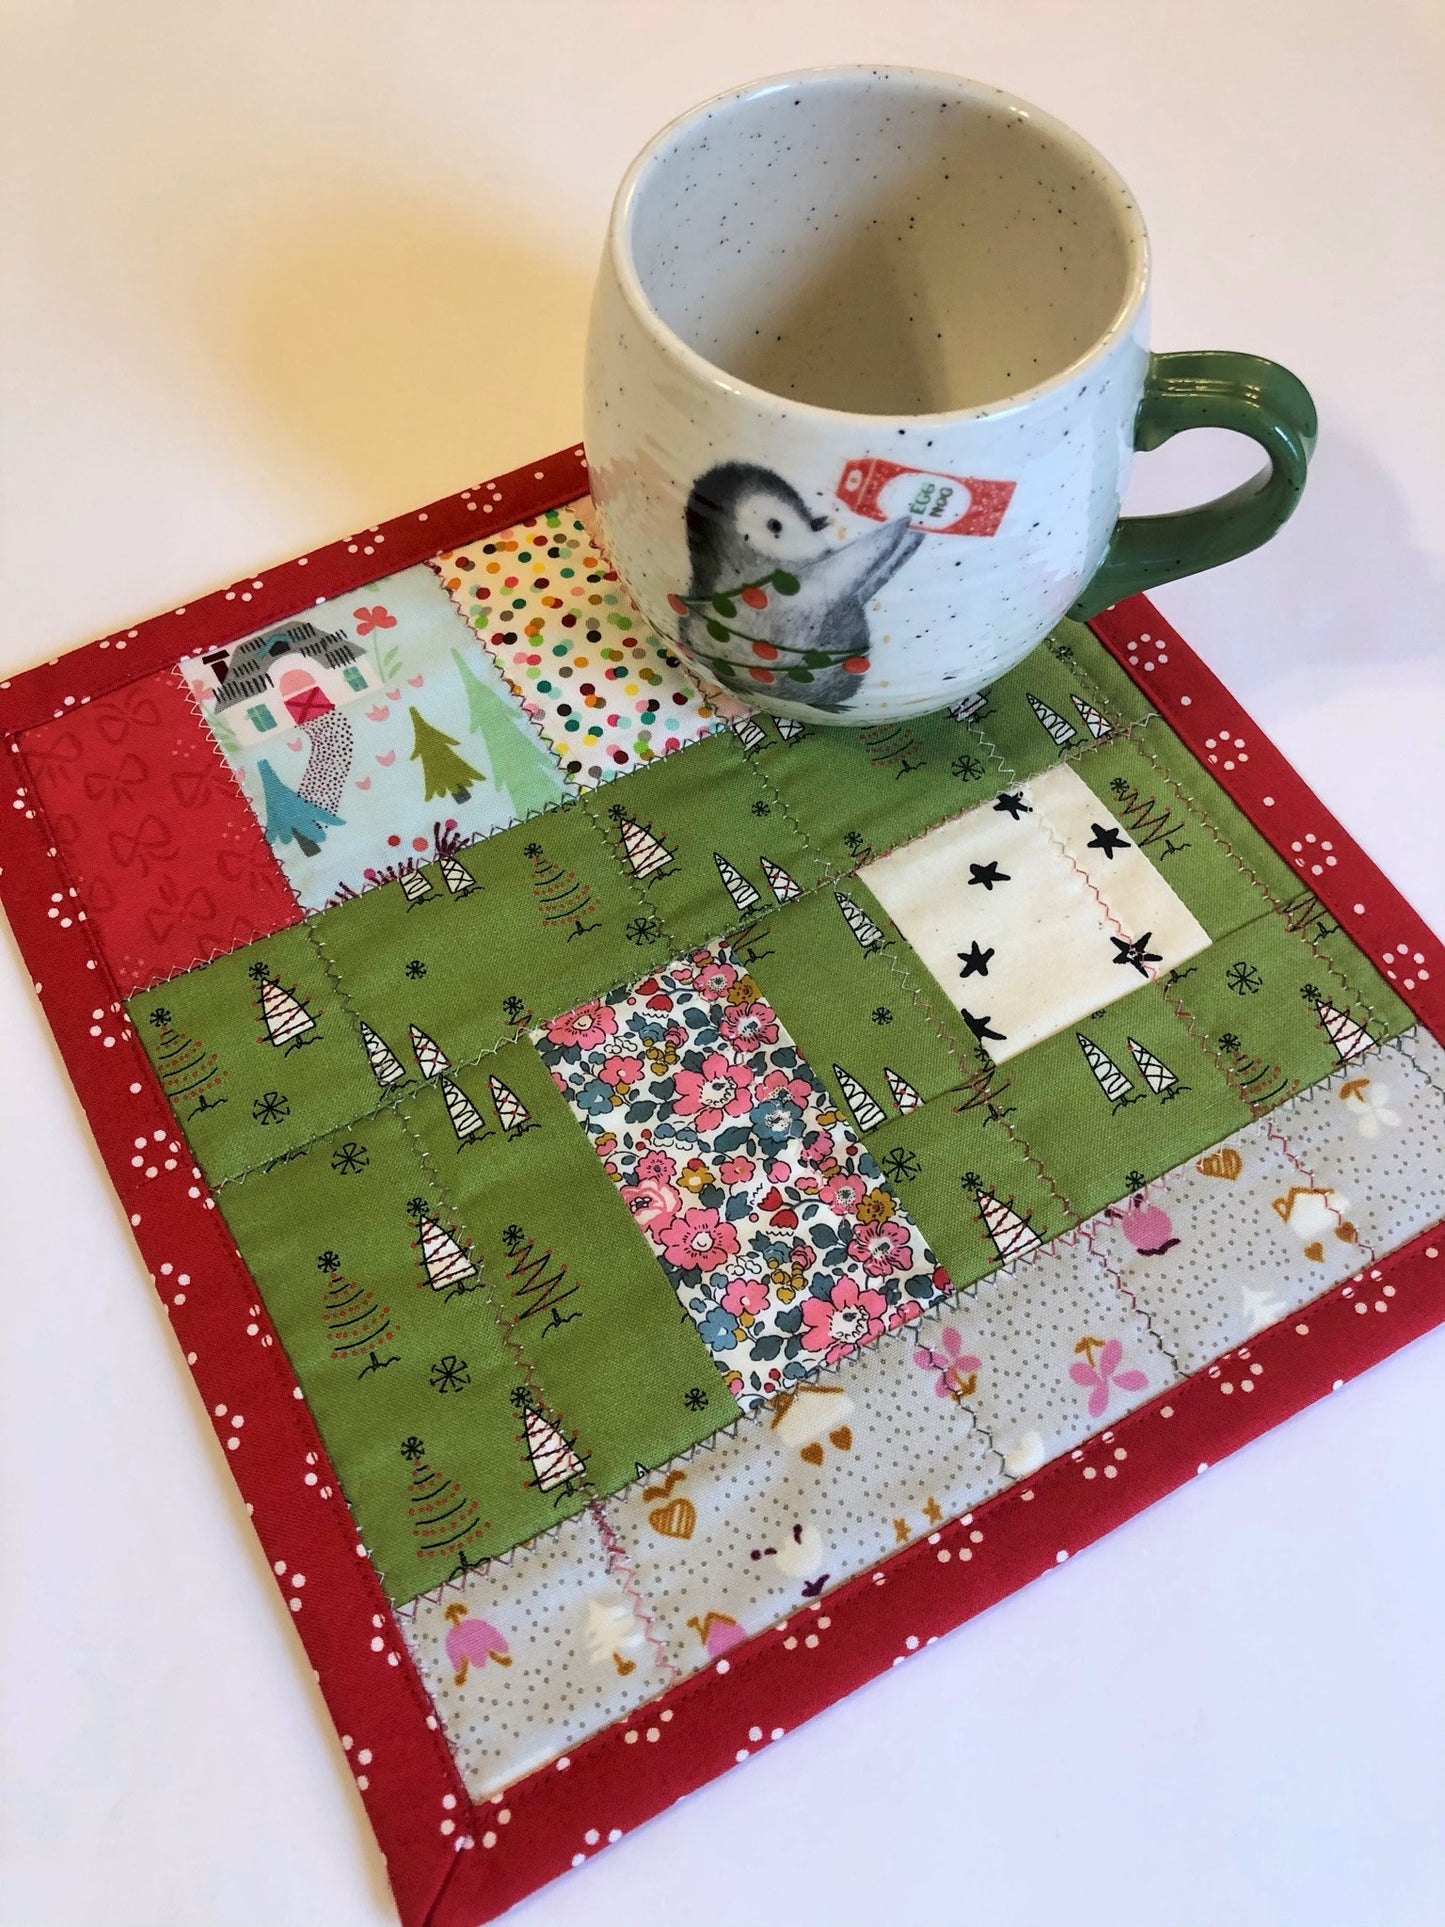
(817, 523)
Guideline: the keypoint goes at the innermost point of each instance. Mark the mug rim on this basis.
(620, 253)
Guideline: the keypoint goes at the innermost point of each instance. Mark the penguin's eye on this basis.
(775, 527)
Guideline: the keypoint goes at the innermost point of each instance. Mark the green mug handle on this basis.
(1209, 388)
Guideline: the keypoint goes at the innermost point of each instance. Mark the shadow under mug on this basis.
(866, 369)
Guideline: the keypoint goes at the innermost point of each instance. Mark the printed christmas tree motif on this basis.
(904, 1095)
(1012, 1235)
(416, 887)
(1156, 1074)
(356, 1324)
(445, 1520)
(386, 1066)
(1305, 913)
(191, 1075)
(520, 769)
(446, 1264)
(968, 708)
(1116, 1085)
(283, 1011)
(1260, 1083)
(749, 731)
(790, 728)
(290, 818)
(1061, 731)
(783, 887)
(1350, 1038)
(985, 1091)
(1151, 821)
(557, 1466)
(457, 877)
(466, 1120)
(736, 884)
(512, 1113)
(1095, 721)
(644, 849)
(443, 771)
(888, 745)
(859, 922)
(431, 1059)
(543, 1287)
(561, 897)
(867, 1111)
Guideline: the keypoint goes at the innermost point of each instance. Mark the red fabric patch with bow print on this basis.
(166, 858)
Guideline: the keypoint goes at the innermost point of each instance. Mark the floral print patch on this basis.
(775, 1226)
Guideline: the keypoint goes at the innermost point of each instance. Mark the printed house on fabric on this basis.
(687, 1158)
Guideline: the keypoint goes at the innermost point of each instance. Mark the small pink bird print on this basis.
(378, 713)
(1146, 1227)
(957, 1369)
(472, 1642)
(717, 1632)
(416, 681)
(388, 759)
(1101, 1373)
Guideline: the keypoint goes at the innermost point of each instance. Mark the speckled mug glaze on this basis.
(864, 376)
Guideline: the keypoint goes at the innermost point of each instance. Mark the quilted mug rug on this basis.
(670, 1211)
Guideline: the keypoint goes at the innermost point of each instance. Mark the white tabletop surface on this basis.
(277, 269)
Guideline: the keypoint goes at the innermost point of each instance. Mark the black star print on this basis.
(1107, 839)
(988, 874)
(975, 961)
(1012, 803)
(1136, 953)
(980, 1029)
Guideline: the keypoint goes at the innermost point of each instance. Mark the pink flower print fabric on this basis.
(771, 1221)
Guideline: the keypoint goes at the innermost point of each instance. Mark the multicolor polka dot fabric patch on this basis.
(597, 684)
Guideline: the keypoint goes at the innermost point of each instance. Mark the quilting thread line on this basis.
(1089, 1231)
(1343, 1229)
(759, 1647)
(508, 1327)
(1195, 811)
(620, 1566)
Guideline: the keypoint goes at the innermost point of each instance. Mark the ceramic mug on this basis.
(866, 369)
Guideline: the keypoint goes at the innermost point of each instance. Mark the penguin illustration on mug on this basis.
(771, 600)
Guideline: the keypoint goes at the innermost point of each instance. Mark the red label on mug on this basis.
(937, 503)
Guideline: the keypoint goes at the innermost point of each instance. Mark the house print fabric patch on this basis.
(372, 734)
(776, 1227)
(670, 1209)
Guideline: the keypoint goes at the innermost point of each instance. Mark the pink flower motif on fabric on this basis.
(720, 1089)
(1101, 1373)
(745, 1026)
(881, 1249)
(587, 1026)
(957, 1370)
(700, 1239)
(847, 1318)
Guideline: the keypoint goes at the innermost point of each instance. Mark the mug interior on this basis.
(883, 242)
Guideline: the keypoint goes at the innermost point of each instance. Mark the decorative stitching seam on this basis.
(1089, 1231)
(1196, 810)
(507, 1326)
(619, 1564)
(1287, 1151)
(337, 1511)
